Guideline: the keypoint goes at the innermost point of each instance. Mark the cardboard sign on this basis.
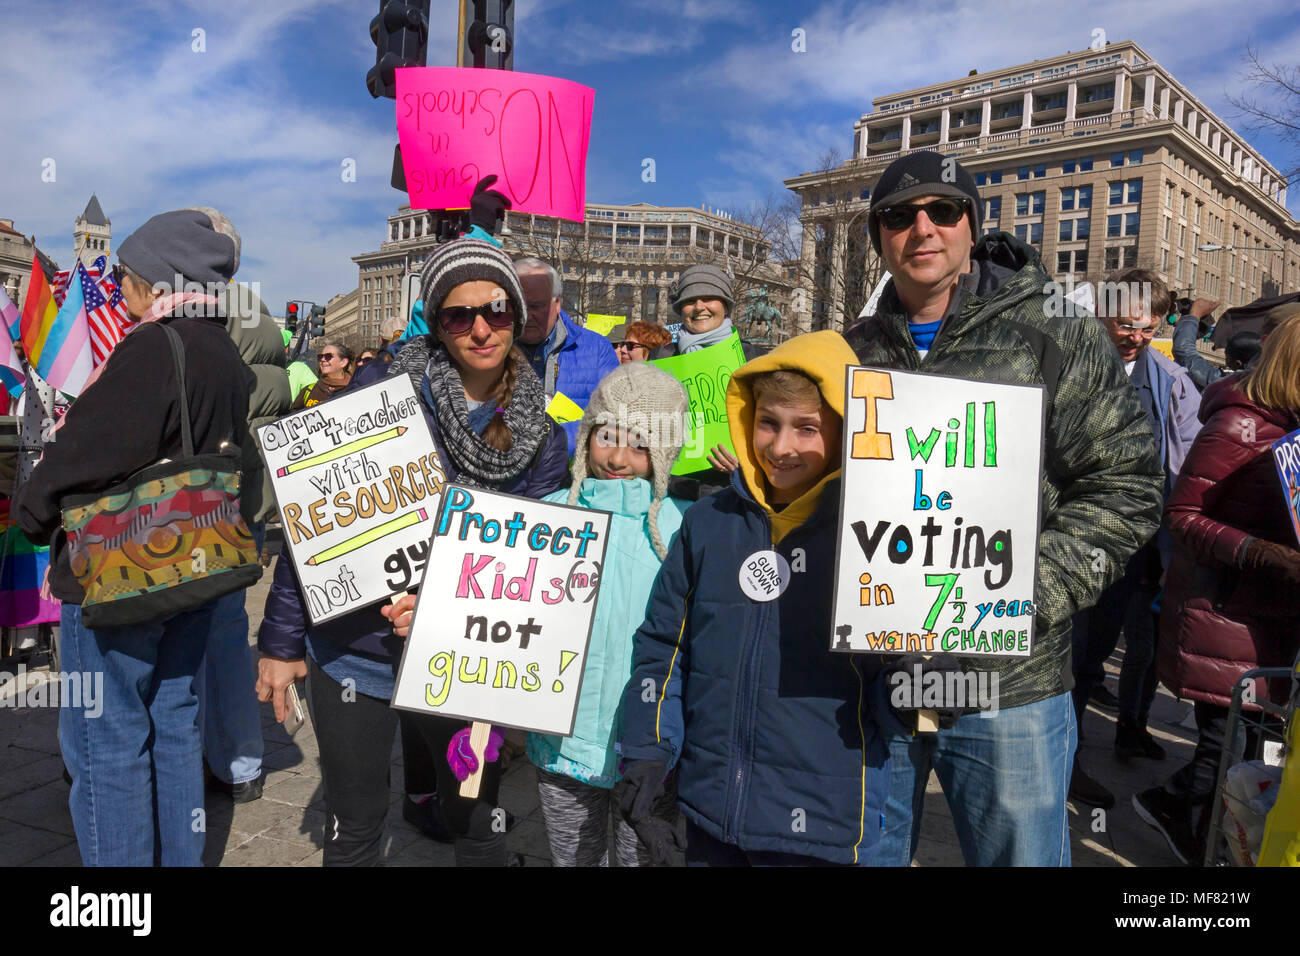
(564, 409)
(604, 324)
(1286, 456)
(358, 483)
(504, 613)
(457, 125)
(939, 511)
(705, 375)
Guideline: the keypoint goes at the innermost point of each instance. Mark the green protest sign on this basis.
(705, 374)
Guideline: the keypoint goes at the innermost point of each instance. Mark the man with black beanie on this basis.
(985, 309)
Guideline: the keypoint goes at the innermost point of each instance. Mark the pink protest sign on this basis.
(458, 125)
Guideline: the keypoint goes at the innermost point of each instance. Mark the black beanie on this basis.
(182, 243)
(922, 174)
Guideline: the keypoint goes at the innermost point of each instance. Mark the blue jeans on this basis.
(228, 709)
(137, 766)
(1005, 780)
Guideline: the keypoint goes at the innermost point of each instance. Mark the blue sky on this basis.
(260, 123)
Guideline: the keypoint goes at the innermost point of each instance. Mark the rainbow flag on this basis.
(25, 564)
(39, 308)
(58, 346)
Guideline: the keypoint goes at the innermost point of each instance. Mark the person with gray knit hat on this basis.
(628, 440)
(487, 412)
(177, 247)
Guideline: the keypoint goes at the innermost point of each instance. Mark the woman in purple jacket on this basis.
(487, 412)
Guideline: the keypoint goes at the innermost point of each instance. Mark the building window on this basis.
(1178, 269)
(1076, 197)
(1022, 172)
(1071, 229)
(1036, 233)
(1114, 225)
(1169, 195)
(1040, 170)
(1168, 221)
(1135, 157)
(1131, 224)
(1164, 260)
(993, 208)
(1030, 203)
(1022, 233)
(1063, 261)
(995, 178)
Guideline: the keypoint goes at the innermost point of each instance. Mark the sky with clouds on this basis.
(260, 123)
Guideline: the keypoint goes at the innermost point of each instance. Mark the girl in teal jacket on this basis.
(627, 442)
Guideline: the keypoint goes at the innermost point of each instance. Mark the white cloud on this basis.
(150, 126)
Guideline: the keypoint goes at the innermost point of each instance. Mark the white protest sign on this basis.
(938, 541)
(504, 612)
(358, 483)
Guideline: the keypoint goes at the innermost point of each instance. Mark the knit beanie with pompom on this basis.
(651, 406)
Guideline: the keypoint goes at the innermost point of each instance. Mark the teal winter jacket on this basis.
(631, 566)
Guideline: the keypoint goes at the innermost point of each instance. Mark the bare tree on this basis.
(1274, 105)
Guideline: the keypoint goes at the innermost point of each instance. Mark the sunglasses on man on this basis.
(941, 212)
(459, 319)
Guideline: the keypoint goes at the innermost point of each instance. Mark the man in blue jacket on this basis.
(567, 358)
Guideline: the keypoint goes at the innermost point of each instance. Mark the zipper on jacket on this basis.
(747, 702)
(731, 822)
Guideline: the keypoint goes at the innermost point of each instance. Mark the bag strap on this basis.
(178, 358)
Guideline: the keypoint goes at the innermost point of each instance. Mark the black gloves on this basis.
(642, 785)
(1275, 559)
(910, 688)
(487, 207)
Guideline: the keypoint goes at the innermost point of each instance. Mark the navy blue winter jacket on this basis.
(771, 732)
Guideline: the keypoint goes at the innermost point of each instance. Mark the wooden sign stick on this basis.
(478, 741)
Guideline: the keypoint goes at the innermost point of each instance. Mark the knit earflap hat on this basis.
(469, 260)
(651, 406)
(923, 173)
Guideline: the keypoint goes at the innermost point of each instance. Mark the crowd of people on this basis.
(698, 698)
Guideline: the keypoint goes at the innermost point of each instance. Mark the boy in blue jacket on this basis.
(734, 684)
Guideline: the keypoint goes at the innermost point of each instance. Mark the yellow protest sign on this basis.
(564, 409)
(1165, 346)
(604, 323)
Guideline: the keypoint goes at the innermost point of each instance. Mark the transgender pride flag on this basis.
(61, 353)
(12, 376)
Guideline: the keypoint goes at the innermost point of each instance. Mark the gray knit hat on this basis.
(182, 242)
(469, 260)
(651, 405)
(701, 282)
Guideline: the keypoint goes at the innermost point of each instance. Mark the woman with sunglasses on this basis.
(335, 361)
(633, 342)
(487, 412)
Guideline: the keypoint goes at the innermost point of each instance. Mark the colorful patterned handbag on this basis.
(168, 539)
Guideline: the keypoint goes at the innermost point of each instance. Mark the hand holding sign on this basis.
(458, 125)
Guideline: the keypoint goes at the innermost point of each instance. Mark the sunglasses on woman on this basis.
(331, 356)
(459, 319)
(629, 346)
(941, 212)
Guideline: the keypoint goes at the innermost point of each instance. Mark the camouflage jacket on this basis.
(1102, 479)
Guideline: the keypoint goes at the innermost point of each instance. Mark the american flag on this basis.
(60, 284)
(105, 311)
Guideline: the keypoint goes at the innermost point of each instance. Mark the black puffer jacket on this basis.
(1102, 481)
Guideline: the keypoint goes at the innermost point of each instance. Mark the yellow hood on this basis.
(823, 357)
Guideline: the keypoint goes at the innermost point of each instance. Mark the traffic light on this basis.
(489, 38)
(291, 317)
(400, 32)
(317, 321)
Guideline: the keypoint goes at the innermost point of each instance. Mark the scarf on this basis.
(690, 342)
(478, 464)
